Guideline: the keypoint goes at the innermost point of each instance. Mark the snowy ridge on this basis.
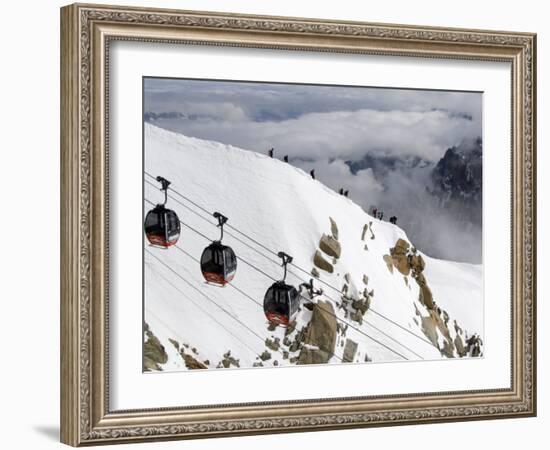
(281, 207)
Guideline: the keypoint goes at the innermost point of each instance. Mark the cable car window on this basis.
(151, 221)
(206, 256)
(230, 260)
(218, 257)
(173, 222)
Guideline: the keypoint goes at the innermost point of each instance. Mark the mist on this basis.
(440, 232)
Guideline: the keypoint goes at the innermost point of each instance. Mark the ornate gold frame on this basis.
(86, 31)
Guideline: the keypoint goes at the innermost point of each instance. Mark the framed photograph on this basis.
(276, 224)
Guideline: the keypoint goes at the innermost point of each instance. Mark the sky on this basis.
(323, 127)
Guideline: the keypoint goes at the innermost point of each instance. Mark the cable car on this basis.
(281, 300)
(162, 225)
(218, 261)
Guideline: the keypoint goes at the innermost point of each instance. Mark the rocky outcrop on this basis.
(228, 361)
(154, 353)
(322, 263)
(389, 262)
(192, 363)
(265, 356)
(416, 262)
(350, 350)
(425, 295)
(330, 246)
(435, 325)
(333, 228)
(367, 227)
(320, 336)
(273, 344)
(399, 255)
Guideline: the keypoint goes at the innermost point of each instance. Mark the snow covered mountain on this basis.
(382, 299)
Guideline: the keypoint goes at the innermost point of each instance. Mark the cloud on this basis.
(336, 174)
(276, 102)
(336, 134)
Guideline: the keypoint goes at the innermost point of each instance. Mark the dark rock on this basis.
(265, 356)
(357, 316)
(364, 232)
(228, 360)
(174, 343)
(154, 352)
(273, 344)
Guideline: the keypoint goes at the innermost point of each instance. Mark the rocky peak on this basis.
(458, 174)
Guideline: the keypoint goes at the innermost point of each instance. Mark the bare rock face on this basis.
(154, 353)
(362, 304)
(417, 263)
(430, 325)
(320, 336)
(401, 247)
(425, 295)
(228, 361)
(350, 350)
(192, 363)
(322, 263)
(330, 246)
(333, 228)
(273, 344)
(364, 232)
(460, 347)
(399, 256)
(389, 262)
(357, 316)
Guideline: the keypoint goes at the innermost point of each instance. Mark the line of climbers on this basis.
(271, 151)
(380, 215)
(374, 210)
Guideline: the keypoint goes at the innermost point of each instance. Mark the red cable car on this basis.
(281, 300)
(218, 261)
(162, 225)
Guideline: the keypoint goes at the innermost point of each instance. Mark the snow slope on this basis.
(281, 207)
